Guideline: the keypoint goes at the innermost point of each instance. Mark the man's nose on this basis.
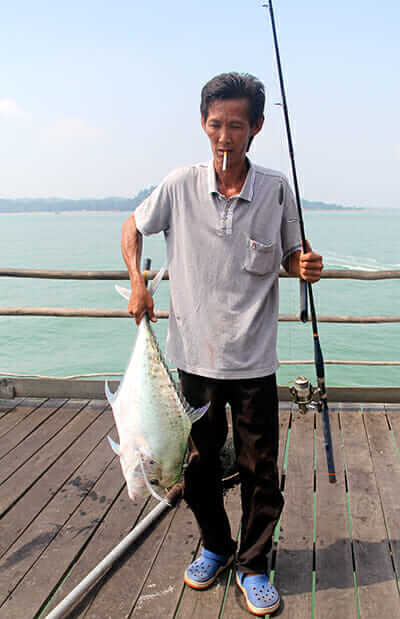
(225, 135)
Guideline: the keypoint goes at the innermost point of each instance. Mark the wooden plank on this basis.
(59, 388)
(7, 405)
(394, 418)
(35, 467)
(18, 518)
(377, 590)
(387, 472)
(116, 596)
(204, 604)
(121, 518)
(26, 430)
(335, 594)
(234, 606)
(16, 458)
(71, 533)
(49, 525)
(164, 583)
(18, 413)
(294, 560)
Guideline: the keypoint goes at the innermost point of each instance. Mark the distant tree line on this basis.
(32, 205)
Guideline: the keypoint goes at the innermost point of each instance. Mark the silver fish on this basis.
(153, 418)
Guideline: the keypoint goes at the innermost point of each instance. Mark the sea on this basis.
(52, 346)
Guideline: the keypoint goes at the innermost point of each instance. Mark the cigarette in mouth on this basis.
(224, 161)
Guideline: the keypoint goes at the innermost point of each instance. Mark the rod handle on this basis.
(303, 301)
(146, 267)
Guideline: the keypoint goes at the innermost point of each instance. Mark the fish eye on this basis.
(153, 482)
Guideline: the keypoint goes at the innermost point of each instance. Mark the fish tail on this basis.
(126, 293)
(157, 280)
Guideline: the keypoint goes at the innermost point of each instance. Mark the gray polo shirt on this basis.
(224, 257)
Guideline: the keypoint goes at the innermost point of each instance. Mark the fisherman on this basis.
(228, 225)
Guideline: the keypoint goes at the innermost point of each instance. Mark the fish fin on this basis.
(146, 481)
(114, 446)
(109, 394)
(157, 280)
(124, 292)
(196, 414)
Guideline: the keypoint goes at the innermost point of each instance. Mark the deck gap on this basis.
(382, 508)
(314, 545)
(230, 574)
(40, 423)
(146, 575)
(274, 553)
(227, 586)
(10, 592)
(353, 559)
(185, 586)
(396, 446)
(51, 497)
(287, 445)
(44, 444)
(34, 408)
(7, 509)
(71, 566)
(393, 564)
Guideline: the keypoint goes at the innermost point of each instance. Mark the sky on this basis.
(101, 98)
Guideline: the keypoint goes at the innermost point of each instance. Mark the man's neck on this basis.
(231, 181)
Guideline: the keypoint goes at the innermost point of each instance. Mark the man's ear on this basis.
(257, 127)
(203, 122)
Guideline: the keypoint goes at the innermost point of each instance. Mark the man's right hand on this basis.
(140, 303)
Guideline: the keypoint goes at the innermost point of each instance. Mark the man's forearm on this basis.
(292, 264)
(131, 247)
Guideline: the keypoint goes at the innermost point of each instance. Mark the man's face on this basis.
(228, 128)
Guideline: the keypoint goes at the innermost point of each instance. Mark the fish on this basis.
(152, 416)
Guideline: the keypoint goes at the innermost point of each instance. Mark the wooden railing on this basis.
(18, 385)
(70, 312)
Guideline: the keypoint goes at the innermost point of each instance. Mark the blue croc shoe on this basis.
(201, 573)
(261, 597)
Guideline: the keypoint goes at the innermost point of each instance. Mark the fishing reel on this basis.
(304, 394)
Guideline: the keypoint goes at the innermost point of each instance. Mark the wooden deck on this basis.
(63, 507)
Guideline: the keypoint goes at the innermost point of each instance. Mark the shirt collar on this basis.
(248, 185)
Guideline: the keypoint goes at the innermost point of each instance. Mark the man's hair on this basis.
(235, 86)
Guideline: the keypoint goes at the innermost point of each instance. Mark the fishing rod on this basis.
(303, 391)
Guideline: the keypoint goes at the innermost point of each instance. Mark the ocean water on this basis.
(70, 346)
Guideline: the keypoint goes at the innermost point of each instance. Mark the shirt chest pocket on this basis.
(260, 257)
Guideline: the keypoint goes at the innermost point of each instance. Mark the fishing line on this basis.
(306, 288)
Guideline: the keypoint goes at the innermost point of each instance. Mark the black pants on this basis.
(254, 405)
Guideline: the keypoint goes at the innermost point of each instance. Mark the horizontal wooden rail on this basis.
(282, 362)
(45, 388)
(72, 312)
(120, 275)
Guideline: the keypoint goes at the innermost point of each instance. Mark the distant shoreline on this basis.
(127, 205)
(125, 210)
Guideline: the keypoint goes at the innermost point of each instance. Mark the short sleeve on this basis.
(290, 226)
(153, 214)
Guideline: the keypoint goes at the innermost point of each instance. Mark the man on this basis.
(228, 226)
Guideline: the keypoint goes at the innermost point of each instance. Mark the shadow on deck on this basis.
(63, 507)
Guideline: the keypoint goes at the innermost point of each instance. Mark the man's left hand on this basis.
(310, 265)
